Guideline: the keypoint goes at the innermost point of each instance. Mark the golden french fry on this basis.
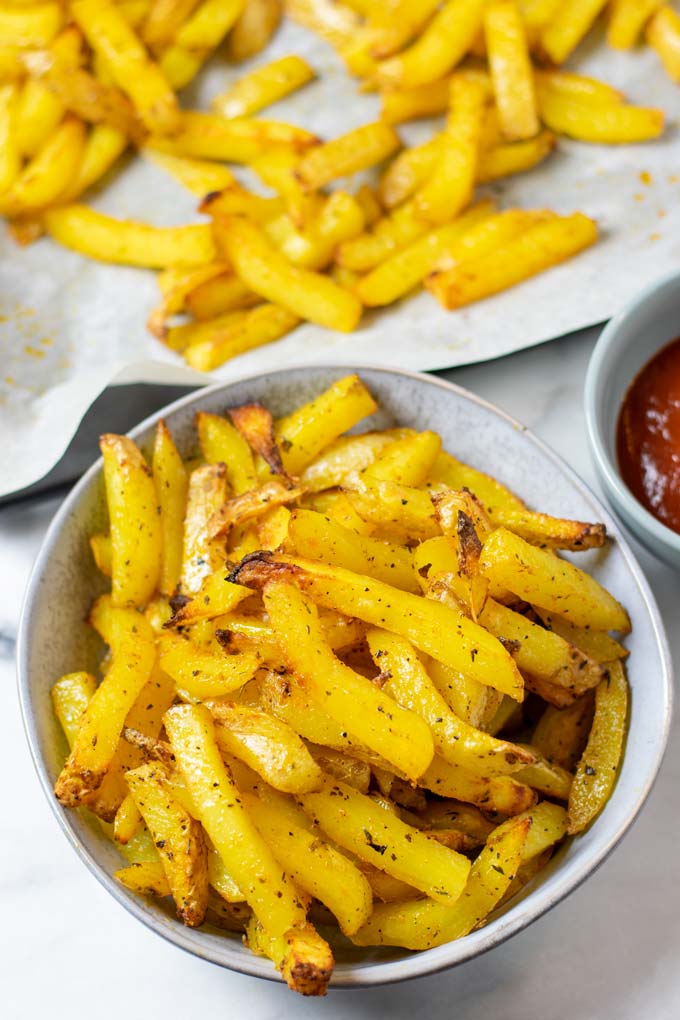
(146, 878)
(423, 924)
(98, 734)
(70, 697)
(10, 155)
(197, 38)
(340, 218)
(127, 821)
(127, 242)
(200, 176)
(179, 838)
(409, 170)
(357, 823)
(406, 681)
(627, 21)
(92, 100)
(448, 37)
(663, 35)
(599, 764)
(222, 442)
(103, 146)
(170, 479)
(511, 70)
(49, 173)
(400, 511)
(175, 285)
(491, 793)
(30, 27)
(358, 149)
(450, 187)
(109, 34)
(208, 136)
(263, 884)
(163, 19)
(336, 23)
(218, 295)
(254, 28)
(505, 160)
(317, 537)
(237, 201)
(548, 778)
(136, 537)
(344, 456)
(432, 627)
(396, 734)
(201, 555)
(210, 344)
(579, 87)
(215, 597)
(561, 733)
(253, 504)
(302, 292)
(568, 27)
(596, 644)
(618, 124)
(38, 113)
(560, 586)
(204, 674)
(304, 959)
(427, 100)
(543, 245)
(263, 87)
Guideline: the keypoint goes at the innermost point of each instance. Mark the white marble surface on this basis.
(68, 950)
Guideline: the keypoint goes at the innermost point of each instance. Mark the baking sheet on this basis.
(70, 326)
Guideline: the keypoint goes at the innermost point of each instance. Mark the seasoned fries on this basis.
(306, 711)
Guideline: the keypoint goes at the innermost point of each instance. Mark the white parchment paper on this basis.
(70, 326)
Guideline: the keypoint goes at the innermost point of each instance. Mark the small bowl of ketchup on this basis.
(632, 402)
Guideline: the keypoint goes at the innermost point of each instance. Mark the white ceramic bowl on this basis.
(626, 344)
(54, 640)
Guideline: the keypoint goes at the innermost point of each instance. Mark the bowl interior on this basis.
(54, 640)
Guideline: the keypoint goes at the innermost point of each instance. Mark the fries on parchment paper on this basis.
(83, 82)
(349, 681)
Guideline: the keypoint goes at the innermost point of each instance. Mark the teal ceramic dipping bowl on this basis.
(627, 343)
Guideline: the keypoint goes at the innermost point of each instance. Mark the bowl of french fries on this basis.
(339, 679)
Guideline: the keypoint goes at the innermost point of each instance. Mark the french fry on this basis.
(568, 27)
(70, 697)
(543, 245)
(108, 33)
(215, 597)
(494, 496)
(400, 228)
(211, 343)
(201, 33)
(10, 155)
(447, 38)
(401, 511)
(409, 170)
(222, 442)
(571, 593)
(30, 27)
(451, 185)
(163, 20)
(424, 924)
(200, 176)
(617, 124)
(38, 114)
(49, 173)
(503, 794)
(263, 87)
(237, 201)
(127, 821)
(178, 836)
(170, 479)
(511, 71)
(304, 959)
(340, 219)
(345, 456)
(314, 865)
(136, 536)
(596, 644)
(561, 733)
(276, 168)
(663, 35)
(127, 242)
(336, 23)
(432, 627)
(250, 505)
(103, 146)
(208, 136)
(201, 554)
(396, 734)
(456, 741)
(93, 101)
(254, 28)
(98, 735)
(358, 149)
(269, 746)
(217, 296)
(175, 285)
(204, 674)
(427, 100)
(599, 764)
(313, 535)
(146, 878)
(627, 21)
(300, 291)
(264, 885)
(357, 823)
(548, 778)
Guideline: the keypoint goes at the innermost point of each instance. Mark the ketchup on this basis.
(648, 436)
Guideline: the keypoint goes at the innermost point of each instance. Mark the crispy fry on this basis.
(107, 31)
(256, 425)
(627, 21)
(494, 793)
(170, 479)
(234, 334)
(263, 87)
(128, 242)
(422, 101)
(201, 554)
(617, 124)
(200, 176)
(221, 442)
(251, 505)
(511, 71)
(208, 136)
(567, 28)
(146, 878)
(663, 35)
(304, 959)
(163, 19)
(220, 294)
(204, 674)
(599, 764)
(301, 292)
(30, 27)
(561, 733)
(49, 173)
(255, 27)
(38, 113)
(354, 151)
(543, 245)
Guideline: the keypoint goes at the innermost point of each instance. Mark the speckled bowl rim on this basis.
(432, 961)
(604, 459)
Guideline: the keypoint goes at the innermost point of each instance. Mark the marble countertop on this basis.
(68, 950)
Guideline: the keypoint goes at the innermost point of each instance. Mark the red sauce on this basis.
(648, 436)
